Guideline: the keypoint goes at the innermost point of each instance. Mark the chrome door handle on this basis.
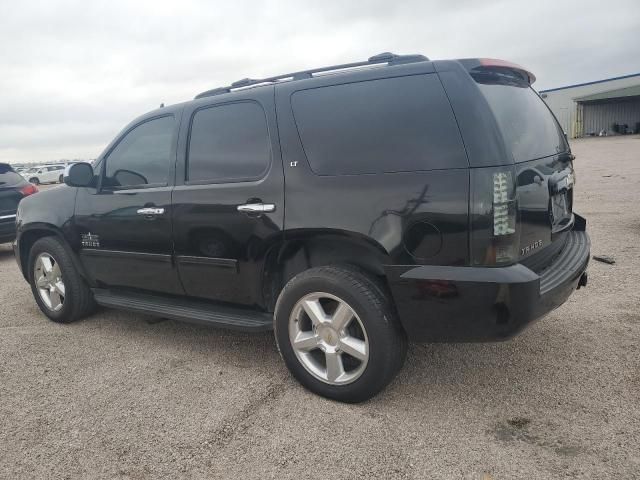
(257, 208)
(150, 211)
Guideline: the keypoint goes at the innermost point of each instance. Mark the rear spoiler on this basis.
(481, 65)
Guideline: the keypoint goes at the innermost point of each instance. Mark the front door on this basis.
(228, 203)
(124, 225)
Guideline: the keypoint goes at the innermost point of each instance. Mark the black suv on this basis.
(347, 208)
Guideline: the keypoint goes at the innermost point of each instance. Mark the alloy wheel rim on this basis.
(328, 338)
(49, 282)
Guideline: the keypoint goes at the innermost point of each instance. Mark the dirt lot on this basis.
(123, 395)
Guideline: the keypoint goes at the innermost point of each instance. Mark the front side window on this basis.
(142, 157)
(228, 143)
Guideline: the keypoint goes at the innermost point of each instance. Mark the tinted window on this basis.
(388, 125)
(143, 156)
(228, 143)
(527, 125)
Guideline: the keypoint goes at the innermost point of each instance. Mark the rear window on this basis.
(528, 127)
(8, 176)
(388, 125)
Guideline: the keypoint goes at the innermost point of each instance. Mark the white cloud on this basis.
(73, 73)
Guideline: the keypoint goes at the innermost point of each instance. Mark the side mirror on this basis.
(79, 175)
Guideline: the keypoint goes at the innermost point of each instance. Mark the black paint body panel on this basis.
(377, 208)
(207, 225)
(464, 304)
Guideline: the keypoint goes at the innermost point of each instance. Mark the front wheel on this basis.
(61, 179)
(59, 290)
(337, 332)
(34, 180)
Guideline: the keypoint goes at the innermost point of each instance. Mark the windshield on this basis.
(528, 127)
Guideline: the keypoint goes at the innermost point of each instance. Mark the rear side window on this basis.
(142, 157)
(528, 127)
(380, 126)
(228, 143)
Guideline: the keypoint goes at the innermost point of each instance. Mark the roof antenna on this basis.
(162, 105)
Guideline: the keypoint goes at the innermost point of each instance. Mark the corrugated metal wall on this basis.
(602, 116)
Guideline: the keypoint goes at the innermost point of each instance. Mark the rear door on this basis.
(543, 162)
(228, 204)
(505, 123)
(124, 225)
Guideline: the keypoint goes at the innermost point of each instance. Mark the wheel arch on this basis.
(302, 250)
(31, 234)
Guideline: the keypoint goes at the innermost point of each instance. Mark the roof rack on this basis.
(386, 57)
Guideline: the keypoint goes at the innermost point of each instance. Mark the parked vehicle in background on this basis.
(402, 216)
(44, 174)
(13, 188)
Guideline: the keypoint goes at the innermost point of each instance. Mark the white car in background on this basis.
(44, 174)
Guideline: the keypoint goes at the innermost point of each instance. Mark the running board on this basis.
(187, 310)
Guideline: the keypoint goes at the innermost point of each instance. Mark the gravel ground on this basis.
(125, 395)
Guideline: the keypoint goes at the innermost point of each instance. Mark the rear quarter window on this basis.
(400, 124)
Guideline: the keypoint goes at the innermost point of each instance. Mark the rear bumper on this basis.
(469, 304)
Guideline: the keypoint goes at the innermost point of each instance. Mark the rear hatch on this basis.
(10, 194)
(544, 174)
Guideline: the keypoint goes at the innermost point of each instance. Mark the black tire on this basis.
(61, 179)
(78, 300)
(374, 308)
(34, 180)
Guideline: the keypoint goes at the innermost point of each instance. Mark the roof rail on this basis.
(385, 57)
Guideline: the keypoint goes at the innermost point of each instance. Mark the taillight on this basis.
(29, 190)
(494, 216)
(504, 208)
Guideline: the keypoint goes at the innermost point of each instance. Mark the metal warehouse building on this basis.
(588, 108)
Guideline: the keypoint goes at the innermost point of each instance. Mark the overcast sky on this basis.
(73, 73)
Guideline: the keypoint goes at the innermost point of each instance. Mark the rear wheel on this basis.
(34, 180)
(337, 332)
(59, 290)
